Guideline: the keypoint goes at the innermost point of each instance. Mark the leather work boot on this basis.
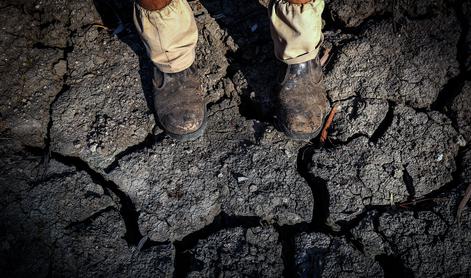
(179, 104)
(302, 103)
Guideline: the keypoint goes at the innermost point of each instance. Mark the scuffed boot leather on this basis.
(179, 104)
(302, 104)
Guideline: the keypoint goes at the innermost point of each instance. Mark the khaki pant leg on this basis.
(296, 30)
(170, 35)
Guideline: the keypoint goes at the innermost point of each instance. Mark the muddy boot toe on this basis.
(302, 103)
(179, 104)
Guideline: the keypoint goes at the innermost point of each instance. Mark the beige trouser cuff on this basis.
(296, 30)
(170, 35)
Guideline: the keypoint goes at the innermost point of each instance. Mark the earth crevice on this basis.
(128, 210)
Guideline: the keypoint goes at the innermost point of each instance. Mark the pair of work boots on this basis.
(301, 102)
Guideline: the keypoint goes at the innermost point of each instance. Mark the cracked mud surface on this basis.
(414, 157)
(236, 252)
(90, 185)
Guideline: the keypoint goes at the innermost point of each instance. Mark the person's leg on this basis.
(296, 29)
(169, 33)
(168, 30)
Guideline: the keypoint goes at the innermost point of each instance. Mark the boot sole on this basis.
(191, 136)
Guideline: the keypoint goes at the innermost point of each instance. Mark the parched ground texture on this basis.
(91, 187)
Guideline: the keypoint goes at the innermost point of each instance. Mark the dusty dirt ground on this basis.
(91, 187)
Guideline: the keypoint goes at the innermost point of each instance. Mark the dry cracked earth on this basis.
(91, 187)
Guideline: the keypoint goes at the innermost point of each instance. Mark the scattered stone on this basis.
(60, 68)
(242, 179)
(238, 252)
(320, 255)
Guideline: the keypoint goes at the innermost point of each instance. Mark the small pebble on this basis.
(242, 179)
(440, 157)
